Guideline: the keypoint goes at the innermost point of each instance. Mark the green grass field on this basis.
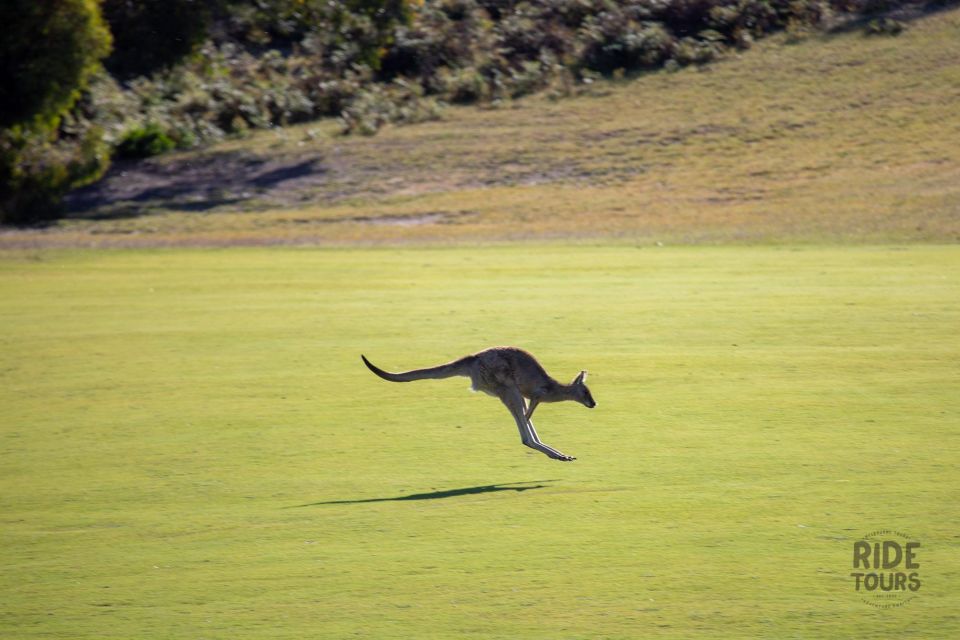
(191, 447)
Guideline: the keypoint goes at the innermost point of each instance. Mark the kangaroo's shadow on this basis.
(436, 495)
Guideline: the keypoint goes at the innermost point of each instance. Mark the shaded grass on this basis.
(835, 138)
(177, 428)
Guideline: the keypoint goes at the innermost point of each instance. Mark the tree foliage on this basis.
(48, 51)
(150, 35)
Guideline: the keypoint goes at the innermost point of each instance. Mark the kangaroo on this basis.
(510, 374)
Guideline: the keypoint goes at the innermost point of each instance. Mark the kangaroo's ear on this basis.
(580, 379)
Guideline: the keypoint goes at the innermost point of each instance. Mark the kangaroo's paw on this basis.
(550, 452)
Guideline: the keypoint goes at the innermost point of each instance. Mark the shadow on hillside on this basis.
(435, 495)
(906, 13)
(132, 189)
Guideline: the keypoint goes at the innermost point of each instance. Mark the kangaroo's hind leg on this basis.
(528, 435)
(533, 405)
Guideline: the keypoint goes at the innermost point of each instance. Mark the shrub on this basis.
(462, 86)
(614, 42)
(884, 27)
(400, 102)
(37, 169)
(143, 142)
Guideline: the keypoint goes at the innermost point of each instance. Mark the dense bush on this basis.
(149, 35)
(613, 41)
(37, 169)
(400, 102)
(338, 34)
(374, 62)
(48, 52)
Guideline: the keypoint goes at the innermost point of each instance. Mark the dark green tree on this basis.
(150, 35)
(48, 51)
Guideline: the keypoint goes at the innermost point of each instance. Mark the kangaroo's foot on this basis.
(549, 451)
(528, 435)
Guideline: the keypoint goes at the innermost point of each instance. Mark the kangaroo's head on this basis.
(580, 392)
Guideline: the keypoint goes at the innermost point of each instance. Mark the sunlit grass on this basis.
(190, 446)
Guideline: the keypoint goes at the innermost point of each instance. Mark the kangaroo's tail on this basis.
(456, 368)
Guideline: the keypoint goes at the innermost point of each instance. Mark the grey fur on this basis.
(512, 375)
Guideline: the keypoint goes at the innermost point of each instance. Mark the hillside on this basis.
(834, 137)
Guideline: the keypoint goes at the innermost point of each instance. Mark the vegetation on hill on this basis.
(183, 73)
(808, 137)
